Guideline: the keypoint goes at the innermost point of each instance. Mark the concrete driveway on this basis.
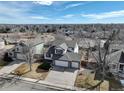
(62, 76)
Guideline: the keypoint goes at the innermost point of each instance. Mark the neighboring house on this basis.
(64, 54)
(2, 43)
(68, 32)
(85, 43)
(21, 48)
(38, 50)
(116, 62)
(115, 47)
(11, 40)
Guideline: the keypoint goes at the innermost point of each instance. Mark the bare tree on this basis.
(28, 53)
(29, 56)
(102, 62)
(101, 58)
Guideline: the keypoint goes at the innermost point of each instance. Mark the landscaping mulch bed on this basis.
(35, 73)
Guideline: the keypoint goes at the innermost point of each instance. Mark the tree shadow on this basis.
(114, 84)
(38, 70)
(19, 73)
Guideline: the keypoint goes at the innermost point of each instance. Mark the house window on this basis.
(58, 51)
(48, 55)
(70, 49)
(17, 49)
(121, 67)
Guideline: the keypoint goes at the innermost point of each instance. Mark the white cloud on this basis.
(111, 14)
(76, 4)
(43, 2)
(39, 17)
(8, 11)
(73, 5)
(68, 16)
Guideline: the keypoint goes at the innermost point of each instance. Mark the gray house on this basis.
(116, 62)
(63, 54)
(21, 49)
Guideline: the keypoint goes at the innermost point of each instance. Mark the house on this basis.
(115, 47)
(63, 53)
(116, 62)
(85, 43)
(19, 51)
(22, 48)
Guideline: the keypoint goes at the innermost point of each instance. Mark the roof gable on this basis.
(64, 46)
(116, 57)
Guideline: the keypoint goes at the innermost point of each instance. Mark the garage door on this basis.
(61, 63)
(20, 56)
(75, 65)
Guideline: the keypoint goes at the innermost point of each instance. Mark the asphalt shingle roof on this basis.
(116, 57)
(68, 57)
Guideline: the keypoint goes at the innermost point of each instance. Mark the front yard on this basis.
(37, 72)
(86, 80)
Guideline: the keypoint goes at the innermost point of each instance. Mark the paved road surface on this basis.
(20, 85)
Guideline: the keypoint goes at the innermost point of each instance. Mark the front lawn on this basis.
(86, 80)
(36, 73)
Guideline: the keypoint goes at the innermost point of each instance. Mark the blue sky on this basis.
(53, 12)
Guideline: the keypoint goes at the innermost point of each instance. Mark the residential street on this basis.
(20, 85)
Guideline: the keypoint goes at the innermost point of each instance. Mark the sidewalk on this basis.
(45, 83)
(10, 67)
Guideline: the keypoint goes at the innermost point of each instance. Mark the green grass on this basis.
(45, 66)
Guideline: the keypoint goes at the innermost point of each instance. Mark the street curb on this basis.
(47, 84)
(59, 87)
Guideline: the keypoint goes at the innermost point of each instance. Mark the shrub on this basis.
(7, 58)
(45, 66)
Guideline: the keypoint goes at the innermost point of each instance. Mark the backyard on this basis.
(39, 70)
